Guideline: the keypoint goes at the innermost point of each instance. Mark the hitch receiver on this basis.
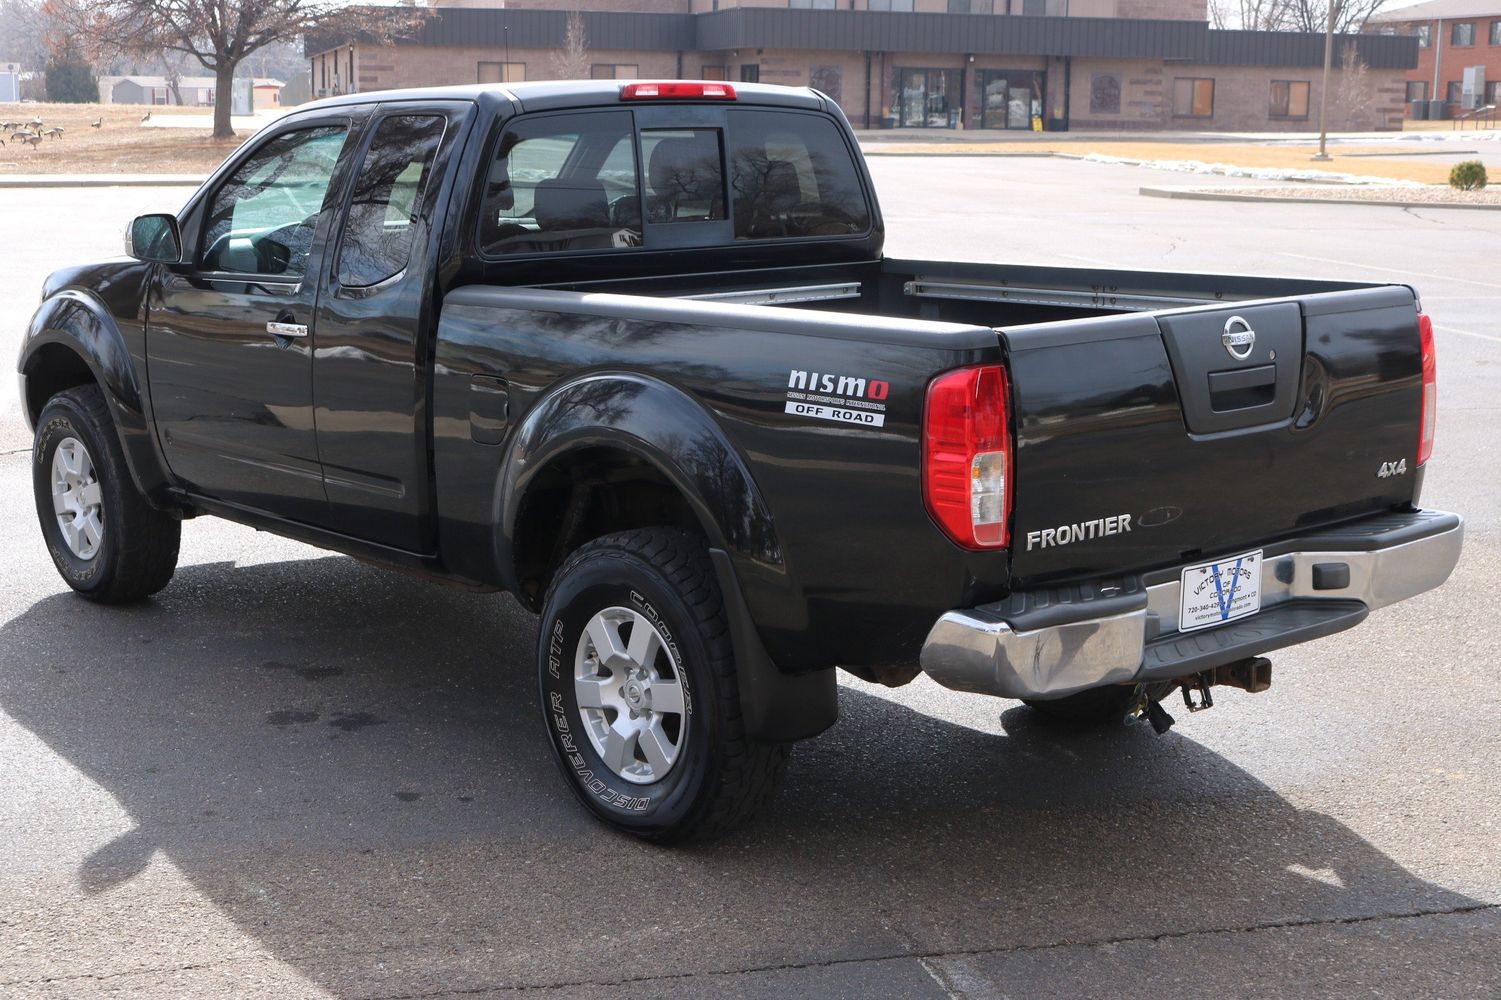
(1253, 675)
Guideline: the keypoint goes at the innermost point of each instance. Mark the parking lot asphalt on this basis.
(294, 775)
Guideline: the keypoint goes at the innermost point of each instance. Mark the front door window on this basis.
(263, 219)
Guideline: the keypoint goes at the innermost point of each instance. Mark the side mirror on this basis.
(154, 238)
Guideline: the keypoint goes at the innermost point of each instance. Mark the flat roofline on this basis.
(886, 31)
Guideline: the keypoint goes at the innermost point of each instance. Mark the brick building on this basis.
(1459, 43)
(1016, 64)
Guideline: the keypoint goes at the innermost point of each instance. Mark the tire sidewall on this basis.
(612, 578)
(61, 419)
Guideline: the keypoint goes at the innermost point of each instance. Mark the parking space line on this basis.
(1389, 270)
(1466, 333)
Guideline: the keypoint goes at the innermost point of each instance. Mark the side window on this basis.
(263, 219)
(563, 182)
(793, 175)
(684, 174)
(387, 198)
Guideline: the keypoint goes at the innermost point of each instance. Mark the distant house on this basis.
(196, 91)
(267, 93)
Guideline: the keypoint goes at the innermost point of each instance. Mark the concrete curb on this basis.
(1190, 194)
(97, 180)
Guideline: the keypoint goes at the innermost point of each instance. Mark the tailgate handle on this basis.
(1242, 388)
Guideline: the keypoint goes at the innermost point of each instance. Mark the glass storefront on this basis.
(926, 98)
(1010, 98)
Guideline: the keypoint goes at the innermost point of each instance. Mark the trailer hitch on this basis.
(1253, 675)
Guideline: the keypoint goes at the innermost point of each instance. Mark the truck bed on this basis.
(1114, 420)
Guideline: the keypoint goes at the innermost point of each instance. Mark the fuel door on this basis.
(1235, 368)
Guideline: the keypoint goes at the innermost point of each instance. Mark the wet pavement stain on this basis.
(290, 717)
(408, 796)
(306, 673)
(353, 722)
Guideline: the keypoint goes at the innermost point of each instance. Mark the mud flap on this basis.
(777, 707)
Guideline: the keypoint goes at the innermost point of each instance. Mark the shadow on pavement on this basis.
(350, 766)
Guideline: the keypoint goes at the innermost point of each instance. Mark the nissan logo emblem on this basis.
(1239, 338)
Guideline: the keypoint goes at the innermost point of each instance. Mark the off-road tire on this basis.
(1101, 706)
(720, 778)
(137, 552)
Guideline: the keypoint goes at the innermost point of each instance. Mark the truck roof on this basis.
(542, 95)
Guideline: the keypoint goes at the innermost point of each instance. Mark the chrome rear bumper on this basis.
(1049, 644)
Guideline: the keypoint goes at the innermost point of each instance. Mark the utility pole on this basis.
(1323, 153)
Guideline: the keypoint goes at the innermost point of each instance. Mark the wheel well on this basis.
(52, 369)
(582, 496)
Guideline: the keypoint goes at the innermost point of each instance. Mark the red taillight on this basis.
(1430, 390)
(677, 90)
(967, 456)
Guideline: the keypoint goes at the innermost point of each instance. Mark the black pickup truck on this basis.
(632, 353)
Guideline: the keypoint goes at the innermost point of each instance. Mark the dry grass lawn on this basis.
(1289, 157)
(121, 145)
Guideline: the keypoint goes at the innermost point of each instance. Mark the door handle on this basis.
(286, 329)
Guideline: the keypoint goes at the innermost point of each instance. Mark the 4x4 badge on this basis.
(1239, 339)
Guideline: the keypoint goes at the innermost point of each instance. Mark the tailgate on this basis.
(1150, 440)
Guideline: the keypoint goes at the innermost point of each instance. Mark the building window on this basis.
(901, 6)
(1462, 34)
(1454, 94)
(501, 72)
(1417, 90)
(971, 6)
(1425, 35)
(1493, 92)
(811, 4)
(714, 73)
(1193, 98)
(1105, 94)
(1495, 38)
(1289, 99)
(750, 73)
(926, 98)
(614, 71)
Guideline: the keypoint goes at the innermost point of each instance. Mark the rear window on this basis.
(792, 175)
(590, 181)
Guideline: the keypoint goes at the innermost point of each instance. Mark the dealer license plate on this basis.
(1220, 591)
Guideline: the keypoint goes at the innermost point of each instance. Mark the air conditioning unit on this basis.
(1472, 94)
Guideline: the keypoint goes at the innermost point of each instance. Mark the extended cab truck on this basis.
(632, 353)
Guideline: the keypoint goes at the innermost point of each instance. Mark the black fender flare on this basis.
(665, 427)
(75, 321)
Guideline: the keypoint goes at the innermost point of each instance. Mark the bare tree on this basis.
(1350, 16)
(25, 34)
(571, 62)
(219, 34)
(1352, 95)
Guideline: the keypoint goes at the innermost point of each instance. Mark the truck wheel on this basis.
(1094, 707)
(106, 541)
(639, 691)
